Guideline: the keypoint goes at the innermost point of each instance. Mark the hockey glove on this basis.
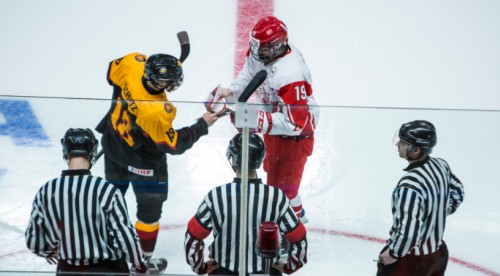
(214, 103)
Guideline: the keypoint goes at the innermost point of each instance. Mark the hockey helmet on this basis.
(420, 134)
(268, 39)
(79, 142)
(164, 71)
(256, 151)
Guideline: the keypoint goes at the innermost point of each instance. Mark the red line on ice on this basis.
(468, 265)
(350, 235)
(248, 13)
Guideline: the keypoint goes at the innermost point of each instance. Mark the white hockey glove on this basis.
(214, 103)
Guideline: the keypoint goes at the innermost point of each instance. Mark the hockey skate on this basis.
(155, 266)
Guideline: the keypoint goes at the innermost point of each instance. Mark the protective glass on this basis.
(395, 138)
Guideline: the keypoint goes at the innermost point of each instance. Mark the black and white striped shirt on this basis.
(84, 218)
(421, 201)
(220, 212)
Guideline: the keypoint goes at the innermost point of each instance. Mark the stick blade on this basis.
(185, 45)
(183, 37)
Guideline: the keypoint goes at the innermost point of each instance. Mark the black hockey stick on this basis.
(256, 81)
(185, 47)
(97, 156)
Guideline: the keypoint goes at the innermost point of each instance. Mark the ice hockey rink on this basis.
(375, 65)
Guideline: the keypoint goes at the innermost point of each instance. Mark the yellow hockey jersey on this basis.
(141, 120)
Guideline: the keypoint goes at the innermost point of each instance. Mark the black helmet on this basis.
(164, 70)
(420, 134)
(79, 142)
(256, 151)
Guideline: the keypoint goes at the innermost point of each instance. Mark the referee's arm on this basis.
(36, 232)
(407, 213)
(199, 227)
(123, 230)
(295, 233)
(456, 194)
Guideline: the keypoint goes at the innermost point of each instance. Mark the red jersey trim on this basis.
(297, 234)
(197, 230)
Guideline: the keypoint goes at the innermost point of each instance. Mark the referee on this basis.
(219, 212)
(80, 221)
(426, 194)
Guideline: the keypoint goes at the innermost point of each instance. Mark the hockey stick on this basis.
(97, 156)
(185, 46)
(256, 81)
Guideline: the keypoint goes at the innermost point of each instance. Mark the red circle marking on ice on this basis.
(468, 265)
(350, 235)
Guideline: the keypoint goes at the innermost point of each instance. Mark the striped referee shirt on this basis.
(220, 212)
(421, 201)
(84, 218)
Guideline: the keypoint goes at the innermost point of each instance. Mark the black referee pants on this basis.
(427, 265)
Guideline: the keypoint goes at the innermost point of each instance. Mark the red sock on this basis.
(296, 203)
(148, 234)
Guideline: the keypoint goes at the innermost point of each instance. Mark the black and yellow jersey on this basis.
(139, 123)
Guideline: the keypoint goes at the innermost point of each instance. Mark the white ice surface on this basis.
(423, 54)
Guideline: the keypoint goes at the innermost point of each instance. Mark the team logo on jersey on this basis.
(142, 172)
(171, 134)
(140, 58)
(168, 107)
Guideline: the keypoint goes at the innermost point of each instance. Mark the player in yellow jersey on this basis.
(138, 130)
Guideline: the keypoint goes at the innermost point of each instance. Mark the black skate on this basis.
(156, 266)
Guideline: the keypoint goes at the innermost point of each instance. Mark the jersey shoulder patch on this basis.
(140, 58)
(171, 135)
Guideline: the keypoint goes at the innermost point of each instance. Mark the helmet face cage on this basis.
(164, 71)
(268, 39)
(420, 134)
(256, 151)
(79, 142)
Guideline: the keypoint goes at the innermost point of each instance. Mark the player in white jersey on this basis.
(288, 115)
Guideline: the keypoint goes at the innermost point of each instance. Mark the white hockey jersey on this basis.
(288, 106)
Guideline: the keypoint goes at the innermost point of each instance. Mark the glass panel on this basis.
(346, 186)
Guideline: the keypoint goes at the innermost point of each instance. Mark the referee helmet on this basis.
(256, 151)
(79, 142)
(420, 134)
